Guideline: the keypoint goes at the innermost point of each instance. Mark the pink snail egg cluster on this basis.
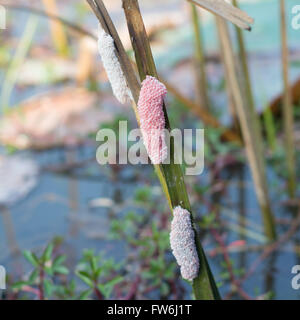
(152, 120)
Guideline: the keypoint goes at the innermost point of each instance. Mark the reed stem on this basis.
(250, 135)
(170, 176)
(288, 117)
(58, 34)
(84, 67)
(204, 286)
(248, 93)
(244, 65)
(199, 62)
(230, 99)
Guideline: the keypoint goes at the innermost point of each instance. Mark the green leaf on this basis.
(114, 281)
(58, 261)
(61, 270)
(19, 285)
(85, 294)
(164, 289)
(98, 272)
(49, 287)
(85, 277)
(107, 288)
(48, 252)
(33, 276)
(31, 257)
(94, 264)
(49, 270)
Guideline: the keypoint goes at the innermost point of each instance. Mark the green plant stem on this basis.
(176, 194)
(287, 106)
(199, 61)
(204, 286)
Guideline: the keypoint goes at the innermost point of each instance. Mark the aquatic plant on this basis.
(48, 277)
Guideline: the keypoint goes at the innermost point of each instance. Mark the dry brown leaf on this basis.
(227, 11)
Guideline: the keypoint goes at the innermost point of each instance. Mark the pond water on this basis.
(74, 208)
